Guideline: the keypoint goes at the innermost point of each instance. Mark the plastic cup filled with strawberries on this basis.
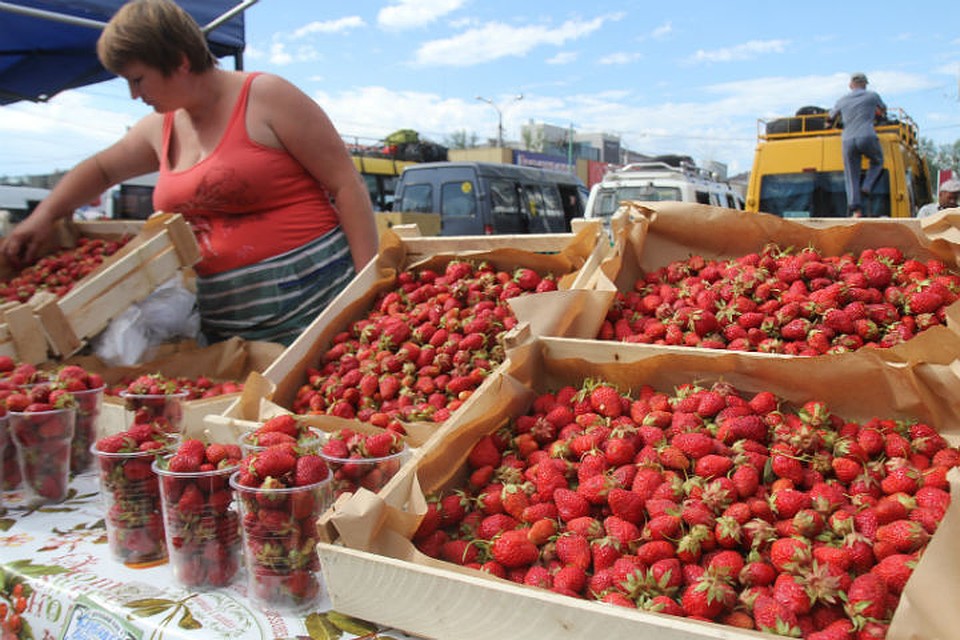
(42, 420)
(87, 388)
(199, 513)
(283, 429)
(366, 460)
(14, 377)
(130, 490)
(156, 399)
(282, 492)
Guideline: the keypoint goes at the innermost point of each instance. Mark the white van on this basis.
(679, 181)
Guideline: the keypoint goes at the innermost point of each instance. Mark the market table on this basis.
(80, 591)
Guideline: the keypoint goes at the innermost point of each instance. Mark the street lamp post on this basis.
(499, 111)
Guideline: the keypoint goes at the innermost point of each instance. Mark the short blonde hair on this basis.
(157, 33)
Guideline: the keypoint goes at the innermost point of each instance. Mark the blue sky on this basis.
(691, 78)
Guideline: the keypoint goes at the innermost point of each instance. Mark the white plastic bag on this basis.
(169, 312)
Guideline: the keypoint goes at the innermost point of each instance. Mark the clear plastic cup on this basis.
(349, 474)
(4, 445)
(130, 490)
(89, 403)
(163, 410)
(202, 525)
(11, 467)
(43, 442)
(279, 528)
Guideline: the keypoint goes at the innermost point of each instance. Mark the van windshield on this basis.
(608, 200)
(817, 195)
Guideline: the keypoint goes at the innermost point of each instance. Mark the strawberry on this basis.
(772, 616)
(626, 504)
(272, 462)
(904, 535)
(512, 549)
(867, 598)
(693, 444)
(310, 469)
(605, 400)
(707, 597)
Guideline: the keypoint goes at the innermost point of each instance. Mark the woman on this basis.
(250, 161)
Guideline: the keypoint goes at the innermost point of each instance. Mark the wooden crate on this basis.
(163, 247)
(581, 251)
(651, 235)
(22, 335)
(372, 570)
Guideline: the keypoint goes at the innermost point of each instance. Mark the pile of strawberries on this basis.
(281, 493)
(60, 271)
(705, 503)
(284, 429)
(195, 388)
(131, 492)
(779, 300)
(424, 347)
(365, 460)
(201, 524)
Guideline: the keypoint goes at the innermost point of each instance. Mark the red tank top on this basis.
(245, 201)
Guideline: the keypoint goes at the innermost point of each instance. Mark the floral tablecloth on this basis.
(74, 589)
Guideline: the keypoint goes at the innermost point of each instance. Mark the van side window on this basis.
(418, 198)
(503, 193)
(553, 206)
(534, 197)
(458, 199)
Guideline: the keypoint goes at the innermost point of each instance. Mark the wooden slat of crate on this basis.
(165, 245)
(437, 603)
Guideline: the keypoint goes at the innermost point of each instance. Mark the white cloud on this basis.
(746, 51)
(663, 30)
(281, 56)
(497, 40)
(563, 57)
(405, 14)
(340, 25)
(620, 58)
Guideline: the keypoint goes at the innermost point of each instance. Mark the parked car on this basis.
(678, 180)
(477, 198)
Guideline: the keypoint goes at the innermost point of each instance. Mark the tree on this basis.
(946, 156)
(461, 140)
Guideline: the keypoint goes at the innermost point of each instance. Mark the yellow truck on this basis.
(798, 168)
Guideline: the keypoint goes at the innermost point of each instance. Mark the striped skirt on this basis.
(276, 299)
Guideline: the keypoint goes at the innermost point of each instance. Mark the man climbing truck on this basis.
(798, 168)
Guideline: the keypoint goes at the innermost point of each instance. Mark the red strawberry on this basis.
(605, 400)
(272, 462)
(867, 598)
(309, 470)
(513, 549)
(707, 597)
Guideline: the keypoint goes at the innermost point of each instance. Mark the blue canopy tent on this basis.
(48, 46)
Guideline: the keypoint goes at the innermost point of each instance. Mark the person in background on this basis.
(947, 199)
(282, 217)
(858, 110)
